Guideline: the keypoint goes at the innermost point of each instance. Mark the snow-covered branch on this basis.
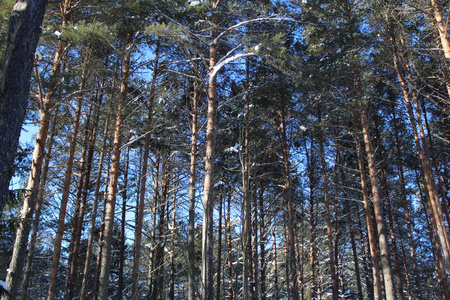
(222, 63)
(231, 28)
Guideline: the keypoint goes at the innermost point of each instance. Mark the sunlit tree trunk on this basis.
(371, 229)
(47, 103)
(423, 153)
(378, 207)
(39, 204)
(64, 201)
(87, 262)
(115, 172)
(87, 153)
(208, 186)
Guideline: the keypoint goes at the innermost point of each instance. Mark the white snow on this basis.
(58, 33)
(234, 149)
(196, 2)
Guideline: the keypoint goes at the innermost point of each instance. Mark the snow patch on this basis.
(196, 2)
(234, 149)
(3, 284)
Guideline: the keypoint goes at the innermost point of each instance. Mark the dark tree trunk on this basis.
(23, 36)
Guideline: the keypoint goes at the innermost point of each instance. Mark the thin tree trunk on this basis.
(378, 208)
(246, 239)
(172, 253)
(412, 250)
(143, 183)
(312, 221)
(275, 266)
(255, 265)
(101, 233)
(292, 261)
(120, 283)
(115, 172)
(349, 223)
(262, 245)
(442, 191)
(192, 183)
(38, 209)
(334, 279)
(370, 226)
(153, 237)
(98, 181)
(229, 247)
(219, 249)
(158, 262)
(64, 200)
(85, 167)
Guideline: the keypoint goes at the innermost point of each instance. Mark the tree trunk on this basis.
(262, 245)
(378, 208)
(348, 214)
(408, 222)
(63, 206)
(192, 182)
(38, 209)
(81, 196)
(424, 157)
(246, 239)
(292, 261)
(120, 282)
(158, 262)
(98, 181)
(219, 248)
(229, 248)
(207, 226)
(371, 233)
(331, 254)
(310, 160)
(143, 183)
(14, 275)
(23, 36)
(115, 172)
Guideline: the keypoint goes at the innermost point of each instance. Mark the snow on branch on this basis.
(231, 28)
(222, 63)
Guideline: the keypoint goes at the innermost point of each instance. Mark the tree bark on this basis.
(331, 254)
(98, 181)
(64, 199)
(46, 109)
(290, 217)
(115, 172)
(192, 189)
(38, 210)
(378, 208)
(23, 36)
(208, 186)
(143, 183)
